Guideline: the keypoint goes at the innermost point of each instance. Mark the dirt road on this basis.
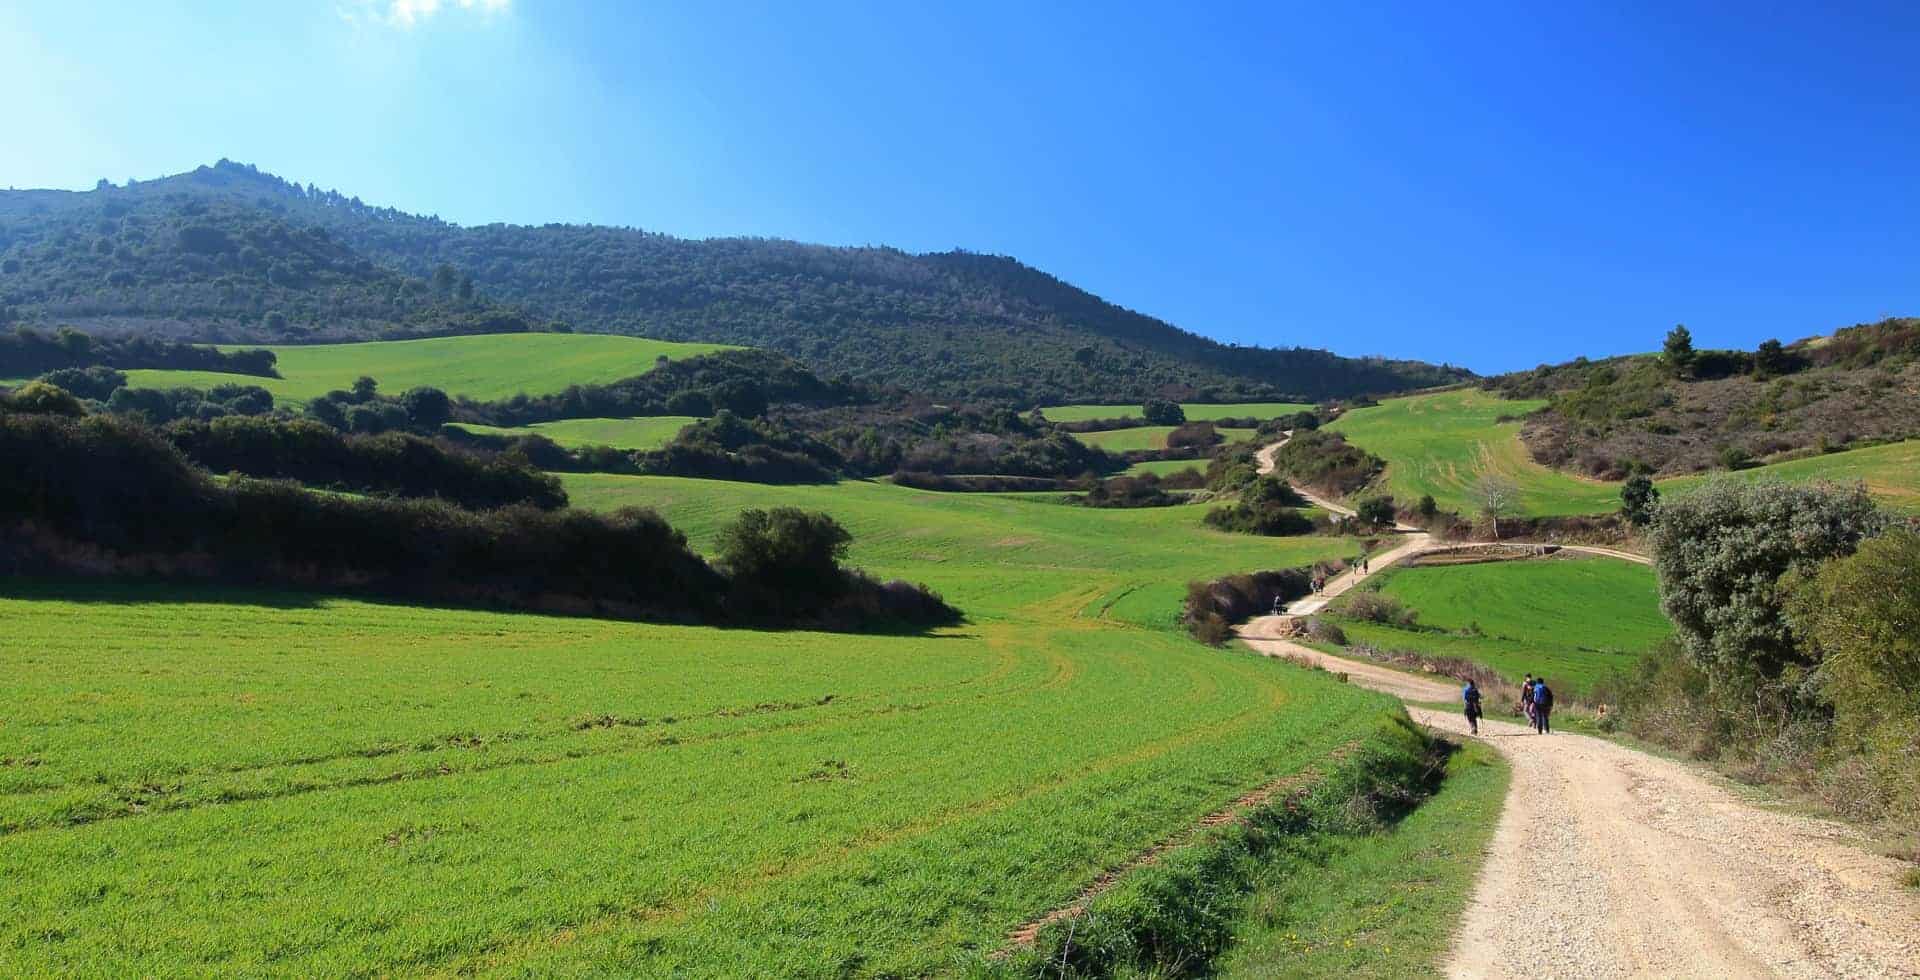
(1608, 862)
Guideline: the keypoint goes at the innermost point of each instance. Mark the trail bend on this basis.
(1610, 862)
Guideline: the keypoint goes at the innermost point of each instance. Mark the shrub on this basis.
(1211, 607)
(1375, 607)
(1721, 552)
(1194, 435)
(1377, 511)
(1326, 631)
(41, 398)
(1638, 499)
(97, 383)
(1161, 412)
(1858, 615)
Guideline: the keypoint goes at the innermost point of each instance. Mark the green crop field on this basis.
(1891, 473)
(1384, 905)
(1164, 467)
(1440, 443)
(641, 433)
(485, 367)
(1146, 437)
(248, 782)
(1195, 412)
(1572, 619)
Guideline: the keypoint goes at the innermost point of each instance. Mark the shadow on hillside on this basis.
(141, 592)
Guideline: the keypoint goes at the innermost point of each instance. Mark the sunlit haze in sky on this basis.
(1490, 185)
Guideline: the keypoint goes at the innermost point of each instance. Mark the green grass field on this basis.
(1146, 437)
(1891, 473)
(1440, 443)
(1195, 412)
(252, 782)
(641, 433)
(484, 367)
(1379, 906)
(1165, 467)
(1573, 619)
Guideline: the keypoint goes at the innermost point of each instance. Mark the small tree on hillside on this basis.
(791, 554)
(1772, 360)
(1161, 412)
(1678, 353)
(1638, 498)
(1495, 495)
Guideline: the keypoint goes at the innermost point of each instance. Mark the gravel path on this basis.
(1609, 862)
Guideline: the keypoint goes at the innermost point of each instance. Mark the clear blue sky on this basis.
(1494, 185)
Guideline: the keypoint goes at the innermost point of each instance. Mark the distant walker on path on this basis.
(1471, 694)
(1542, 707)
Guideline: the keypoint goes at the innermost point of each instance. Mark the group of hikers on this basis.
(1536, 702)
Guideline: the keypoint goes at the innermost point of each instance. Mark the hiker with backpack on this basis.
(1542, 707)
(1471, 694)
(1526, 698)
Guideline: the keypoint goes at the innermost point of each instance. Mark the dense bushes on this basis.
(30, 351)
(159, 406)
(744, 382)
(97, 383)
(1194, 435)
(396, 463)
(1325, 461)
(104, 496)
(1794, 658)
(728, 447)
(1211, 608)
(1860, 615)
(1145, 490)
(1267, 506)
(1721, 552)
(785, 565)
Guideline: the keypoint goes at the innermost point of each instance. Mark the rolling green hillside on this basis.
(318, 785)
(1196, 412)
(1572, 619)
(641, 433)
(1891, 473)
(485, 367)
(1440, 443)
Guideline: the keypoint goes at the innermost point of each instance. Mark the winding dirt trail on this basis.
(1609, 862)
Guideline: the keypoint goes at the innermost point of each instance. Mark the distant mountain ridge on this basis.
(232, 253)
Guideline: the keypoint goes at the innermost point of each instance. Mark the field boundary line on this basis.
(1236, 812)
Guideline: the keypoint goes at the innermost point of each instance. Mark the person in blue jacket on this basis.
(1471, 695)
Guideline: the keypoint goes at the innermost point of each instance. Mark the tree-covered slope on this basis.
(220, 250)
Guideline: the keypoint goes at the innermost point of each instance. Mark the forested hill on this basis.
(229, 252)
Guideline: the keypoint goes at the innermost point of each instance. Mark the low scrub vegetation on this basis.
(1267, 507)
(1212, 608)
(1794, 658)
(1326, 462)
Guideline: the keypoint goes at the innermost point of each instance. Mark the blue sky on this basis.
(1489, 184)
